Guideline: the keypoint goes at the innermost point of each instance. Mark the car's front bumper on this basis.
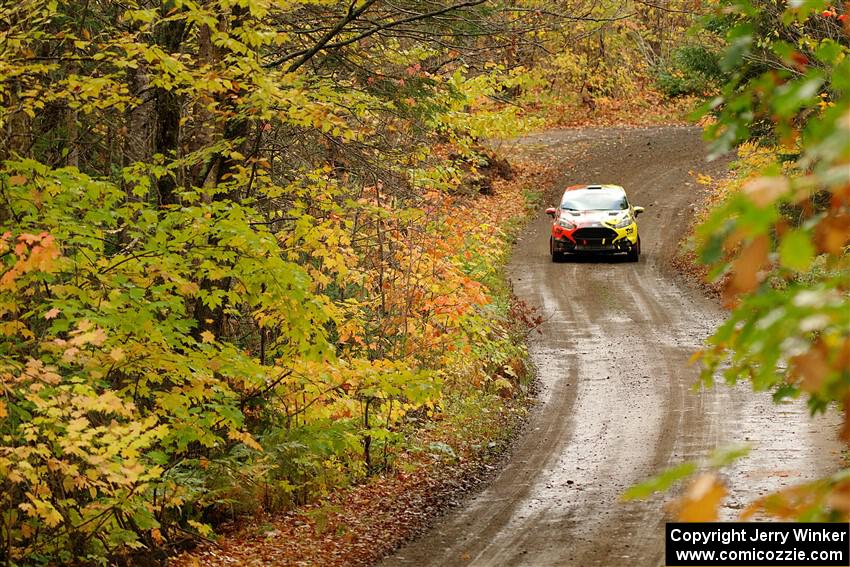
(569, 246)
(600, 240)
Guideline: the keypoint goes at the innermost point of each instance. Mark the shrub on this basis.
(690, 70)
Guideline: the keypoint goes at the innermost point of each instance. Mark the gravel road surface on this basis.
(616, 401)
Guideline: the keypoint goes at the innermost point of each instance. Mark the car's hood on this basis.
(594, 218)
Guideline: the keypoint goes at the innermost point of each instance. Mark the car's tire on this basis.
(556, 256)
(634, 253)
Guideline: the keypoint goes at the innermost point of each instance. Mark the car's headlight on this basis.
(565, 223)
(623, 222)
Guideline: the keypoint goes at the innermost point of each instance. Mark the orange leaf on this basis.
(832, 234)
(839, 498)
(787, 504)
(812, 367)
(746, 268)
(695, 357)
(764, 191)
(845, 430)
(700, 502)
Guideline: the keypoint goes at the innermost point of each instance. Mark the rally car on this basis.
(594, 219)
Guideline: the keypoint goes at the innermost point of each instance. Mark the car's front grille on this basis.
(594, 235)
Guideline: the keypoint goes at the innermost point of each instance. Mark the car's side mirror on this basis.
(552, 211)
(638, 210)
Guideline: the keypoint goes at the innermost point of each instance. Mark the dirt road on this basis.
(616, 402)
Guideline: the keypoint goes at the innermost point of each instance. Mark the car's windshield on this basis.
(594, 200)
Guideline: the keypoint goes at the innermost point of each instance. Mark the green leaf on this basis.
(796, 251)
(660, 482)
(725, 456)
(144, 519)
(740, 45)
(829, 51)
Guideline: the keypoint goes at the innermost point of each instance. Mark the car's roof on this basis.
(600, 187)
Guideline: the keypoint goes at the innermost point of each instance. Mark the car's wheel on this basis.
(556, 256)
(634, 253)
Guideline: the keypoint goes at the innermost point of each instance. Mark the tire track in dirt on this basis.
(616, 401)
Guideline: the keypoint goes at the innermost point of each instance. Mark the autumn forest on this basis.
(253, 251)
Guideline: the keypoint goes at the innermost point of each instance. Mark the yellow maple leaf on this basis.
(117, 354)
